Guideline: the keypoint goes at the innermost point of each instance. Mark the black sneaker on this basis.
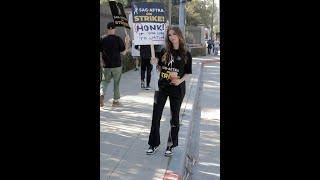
(142, 85)
(169, 151)
(152, 149)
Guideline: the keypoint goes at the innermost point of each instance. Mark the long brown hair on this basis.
(169, 46)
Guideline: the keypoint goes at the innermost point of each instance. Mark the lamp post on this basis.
(182, 11)
(170, 7)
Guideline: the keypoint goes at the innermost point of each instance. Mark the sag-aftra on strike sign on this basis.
(149, 23)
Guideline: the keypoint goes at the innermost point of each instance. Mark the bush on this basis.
(198, 52)
(127, 63)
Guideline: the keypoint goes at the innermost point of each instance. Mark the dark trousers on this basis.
(175, 105)
(146, 66)
(157, 54)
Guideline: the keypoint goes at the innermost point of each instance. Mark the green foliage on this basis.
(123, 2)
(197, 11)
(128, 62)
(104, 2)
(198, 51)
(201, 12)
(174, 15)
(215, 29)
(130, 1)
(127, 3)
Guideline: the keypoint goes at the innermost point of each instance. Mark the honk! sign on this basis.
(149, 23)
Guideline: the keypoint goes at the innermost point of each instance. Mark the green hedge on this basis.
(198, 52)
(128, 63)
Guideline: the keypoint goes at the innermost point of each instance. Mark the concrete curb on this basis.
(176, 169)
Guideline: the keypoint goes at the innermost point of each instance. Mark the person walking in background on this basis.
(176, 65)
(136, 55)
(216, 47)
(111, 46)
(136, 60)
(158, 49)
(146, 67)
(209, 45)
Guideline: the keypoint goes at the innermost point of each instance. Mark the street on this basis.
(205, 138)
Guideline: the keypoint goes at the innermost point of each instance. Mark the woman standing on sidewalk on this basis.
(216, 47)
(176, 65)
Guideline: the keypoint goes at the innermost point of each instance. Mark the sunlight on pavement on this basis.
(213, 174)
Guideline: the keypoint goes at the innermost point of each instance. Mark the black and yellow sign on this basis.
(119, 16)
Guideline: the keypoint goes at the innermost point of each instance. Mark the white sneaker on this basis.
(148, 87)
(142, 85)
(152, 150)
(169, 151)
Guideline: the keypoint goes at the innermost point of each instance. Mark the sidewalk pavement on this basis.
(124, 130)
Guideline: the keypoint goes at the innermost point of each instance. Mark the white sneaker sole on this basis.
(168, 153)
